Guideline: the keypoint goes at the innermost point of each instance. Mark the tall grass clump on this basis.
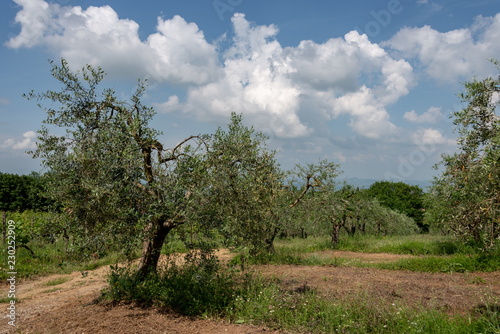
(200, 285)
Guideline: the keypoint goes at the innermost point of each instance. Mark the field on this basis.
(314, 290)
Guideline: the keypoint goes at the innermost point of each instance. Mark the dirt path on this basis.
(68, 307)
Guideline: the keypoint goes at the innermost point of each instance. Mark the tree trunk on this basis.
(270, 241)
(156, 232)
(335, 235)
(336, 225)
(303, 233)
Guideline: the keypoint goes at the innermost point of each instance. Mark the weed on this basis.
(57, 281)
(8, 300)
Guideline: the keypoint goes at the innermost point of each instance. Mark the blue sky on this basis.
(367, 84)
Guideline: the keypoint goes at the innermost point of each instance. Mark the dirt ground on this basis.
(69, 308)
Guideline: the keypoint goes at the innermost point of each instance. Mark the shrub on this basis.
(200, 286)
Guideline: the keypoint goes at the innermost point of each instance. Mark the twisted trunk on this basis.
(156, 232)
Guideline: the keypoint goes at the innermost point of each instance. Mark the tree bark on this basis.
(270, 241)
(156, 232)
(335, 233)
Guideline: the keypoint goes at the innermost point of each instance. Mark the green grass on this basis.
(8, 300)
(306, 312)
(299, 245)
(51, 259)
(448, 264)
(419, 244)
(432, 253)
(58, 281)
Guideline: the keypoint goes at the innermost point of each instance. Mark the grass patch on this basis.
(300, 245)
(419, 244)
(448, 264)
(433, 254)
(51, 290)
(53, 259)
(303, 311)
(253, 300)
(58, 281)
(8, 300)
(289, 256)
(204, 287)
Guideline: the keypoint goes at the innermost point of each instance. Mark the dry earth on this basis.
(69, 307)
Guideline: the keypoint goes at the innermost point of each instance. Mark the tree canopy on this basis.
(466, 196)
(113, 176)
(401, 197)
(22, 192)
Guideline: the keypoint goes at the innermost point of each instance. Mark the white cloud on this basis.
(285, 91)
(449, 56)
(430, 137)
(177, 53)
(370, 118)
(171, 105)
(432, 115)
(27, 143)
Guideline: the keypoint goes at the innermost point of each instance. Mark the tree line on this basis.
(23, 192)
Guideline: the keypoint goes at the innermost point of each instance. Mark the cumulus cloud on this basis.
(283, 89)
(177, 52)
(431, 137)
(432, 115)
(27, 143)
(449, 56)
(287, 91)
(171, 105)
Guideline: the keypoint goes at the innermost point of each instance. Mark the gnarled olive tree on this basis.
(107, 167)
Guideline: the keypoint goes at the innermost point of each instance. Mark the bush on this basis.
(200, 286)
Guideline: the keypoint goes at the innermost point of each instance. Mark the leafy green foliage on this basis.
(245, 182)
(351, 211)
(400, 197)
(23, 192)
(109, 171)
(466, 195)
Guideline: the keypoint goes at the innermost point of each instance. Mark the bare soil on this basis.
(69, 307)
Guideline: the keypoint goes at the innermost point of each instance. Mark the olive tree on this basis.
(245, 181)
(109, 170)
(468, 191)
(314, 199)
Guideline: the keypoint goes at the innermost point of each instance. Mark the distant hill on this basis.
(366, 183)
